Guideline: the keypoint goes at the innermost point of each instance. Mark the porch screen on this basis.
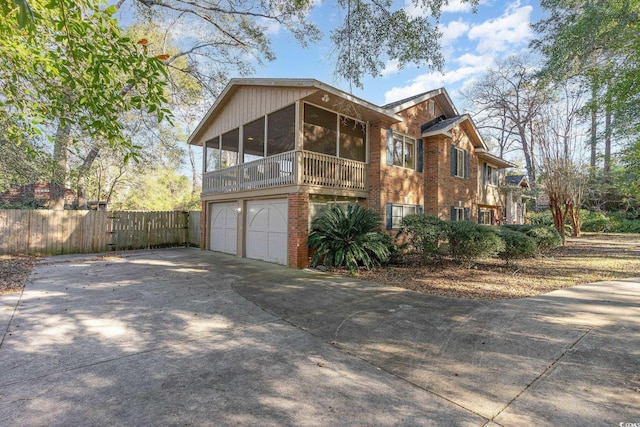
(229, 152)
(352, 140)
(253, 144)
(320, 130)
(213, 154)
(281, 126)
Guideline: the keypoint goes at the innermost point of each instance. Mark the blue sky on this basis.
(471, 43)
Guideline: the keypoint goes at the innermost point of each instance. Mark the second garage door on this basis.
(266, 237)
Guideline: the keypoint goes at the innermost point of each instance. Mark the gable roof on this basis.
(440, 96)
(318, 88)
(517, 180)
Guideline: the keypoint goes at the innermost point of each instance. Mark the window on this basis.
(485, 216)
(404, 150)
(460, 213)
(459, 162)
(395, 213)
(491, 176)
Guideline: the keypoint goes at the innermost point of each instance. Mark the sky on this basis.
(471, 44)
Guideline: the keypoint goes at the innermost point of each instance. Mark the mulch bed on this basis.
(14, 271)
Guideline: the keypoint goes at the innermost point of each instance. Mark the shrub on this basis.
(469, 241)
(540, 218)
(546, 237)
(424, 233)
(348, 238)
(517, 245)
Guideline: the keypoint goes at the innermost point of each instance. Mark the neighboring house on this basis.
(35, 195)
(516, 192)
(278, 151)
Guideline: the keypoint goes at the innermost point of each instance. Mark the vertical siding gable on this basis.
(252, 102)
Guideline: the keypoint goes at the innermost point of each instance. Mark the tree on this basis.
(599, 39)
(560, 139)
(508, 101)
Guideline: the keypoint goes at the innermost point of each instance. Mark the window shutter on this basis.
(420, 209)
(493, 217)
(485, 173)
(467, 214)
(389, 216)
(453, 213)
(419, 166)
(453, 160)
(467, 165)
(389, 147)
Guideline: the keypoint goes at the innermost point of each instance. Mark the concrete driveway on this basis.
(188, 337)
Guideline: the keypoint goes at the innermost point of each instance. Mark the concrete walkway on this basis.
(188, 337)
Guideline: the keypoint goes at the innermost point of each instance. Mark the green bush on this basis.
(540, 218)
(348, 238)
(469, 241)
(545, 237)
(517, 245)
(423, 233)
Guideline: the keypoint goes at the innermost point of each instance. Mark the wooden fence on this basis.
(62, 232)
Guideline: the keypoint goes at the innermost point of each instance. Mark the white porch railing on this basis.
(292, 167)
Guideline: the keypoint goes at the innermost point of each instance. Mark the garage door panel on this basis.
(266, 236)
(223, 233)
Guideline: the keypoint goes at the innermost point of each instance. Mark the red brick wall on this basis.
(298, 213)
(38, 193)
(393, 184)
(443, 189)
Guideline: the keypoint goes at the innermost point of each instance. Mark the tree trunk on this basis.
(194, 170)
(594, 129)
(607, 146)
(83, 171)
(60, 168)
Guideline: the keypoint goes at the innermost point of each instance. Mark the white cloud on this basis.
(430, 81)
(391, 67)
(513, 28)
(456, 6)
(452, 31)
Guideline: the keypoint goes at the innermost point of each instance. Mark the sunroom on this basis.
(306, 135)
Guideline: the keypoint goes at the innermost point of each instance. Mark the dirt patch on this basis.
(592, 258)
(14, 271)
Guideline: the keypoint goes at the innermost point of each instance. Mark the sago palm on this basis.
(348, 238)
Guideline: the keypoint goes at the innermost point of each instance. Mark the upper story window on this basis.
(491, 175)
(404, 151)
(460, 162)
(329, 133)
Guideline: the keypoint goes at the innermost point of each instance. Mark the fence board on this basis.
(60, 232)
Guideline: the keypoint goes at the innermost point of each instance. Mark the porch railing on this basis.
(290, 168)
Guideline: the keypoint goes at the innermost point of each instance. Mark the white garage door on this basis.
(267, 230)
(223, 234)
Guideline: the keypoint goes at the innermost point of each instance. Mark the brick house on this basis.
(276, 152)
(35, 195)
